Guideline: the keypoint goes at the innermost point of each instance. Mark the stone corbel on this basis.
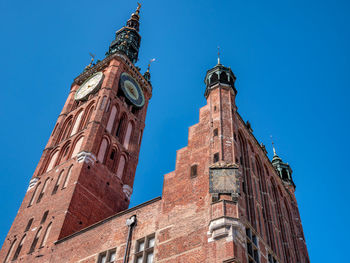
(226, 227)
(127, 191)
(86, 157)
(32, 183)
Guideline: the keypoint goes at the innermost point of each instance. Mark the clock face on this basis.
(132, 90)
(89, 86)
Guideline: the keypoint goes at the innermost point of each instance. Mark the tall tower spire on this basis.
(127, 39)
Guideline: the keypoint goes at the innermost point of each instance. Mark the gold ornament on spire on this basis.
(149, 64)
(92, 60)
(273, 146)
(138, 8)
(219, 55)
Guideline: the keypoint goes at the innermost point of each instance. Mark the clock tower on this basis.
(87, 168)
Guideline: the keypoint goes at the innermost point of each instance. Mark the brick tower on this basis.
(87, 169)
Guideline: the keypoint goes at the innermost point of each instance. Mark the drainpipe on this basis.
(131, 222)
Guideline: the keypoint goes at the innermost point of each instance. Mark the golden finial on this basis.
(218, 55)
(149, 64)
(92, 60)
(273, 146)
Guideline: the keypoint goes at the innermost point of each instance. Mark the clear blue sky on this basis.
(291, 59)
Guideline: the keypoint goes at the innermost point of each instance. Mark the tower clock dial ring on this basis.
(132, 90)
(89, 86)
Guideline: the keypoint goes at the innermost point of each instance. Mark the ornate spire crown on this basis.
(127, 39)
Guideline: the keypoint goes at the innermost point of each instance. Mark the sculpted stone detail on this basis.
(86, 157)
(32, 183)
(127, 191)
(224, 179)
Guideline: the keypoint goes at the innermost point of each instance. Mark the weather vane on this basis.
(138, 8)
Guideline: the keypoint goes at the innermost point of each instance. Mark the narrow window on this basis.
(102, 151)
(19, 248)
(59, 179)
(52, 162)
(111, 119)
(10, 251)
(128, 135)
(46, 235)
(43, 190)
(77, 123)
(103, 102)
(34, 195)
(35, 241)
(77, 146)
(216, 157)
(121, 166)
(120, 127)
(43, 219)
(29, 224)
(112, 155)
(66, 180)
(88, 117)
(216, 132)
(194, 170)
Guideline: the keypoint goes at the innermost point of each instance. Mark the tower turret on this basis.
(283, 169)
(127, 39)
(219, 75)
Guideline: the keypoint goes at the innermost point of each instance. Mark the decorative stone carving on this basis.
(224, 179)
(226, 227)
(86, 157)
(32, 183)
(127, 191)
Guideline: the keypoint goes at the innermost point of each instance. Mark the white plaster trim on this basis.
(86, 157)
(127, 191)
(227, 227)
(32, 183)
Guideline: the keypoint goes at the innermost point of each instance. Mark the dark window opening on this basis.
(43, 219)
(216, 132)
(194, 170)
(216, 157)
(223, 77)
(112, 155)
(284, 174)
(29, 224)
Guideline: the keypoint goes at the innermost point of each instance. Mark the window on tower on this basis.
(194, 171)
(144, 250)
(252, 247)
(19, 248)
(10, 250)
(43, 219)
(216, 132)
(29, 224)
(216, 157)
(59, 179)
(46, 235)
(43, 190)
(35, 240)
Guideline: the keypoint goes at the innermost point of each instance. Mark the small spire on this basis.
(219, 55)
(273, 147)
(138, 8)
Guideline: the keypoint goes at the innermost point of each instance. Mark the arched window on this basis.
(89, 111)
(223, 77)
(43, 190)
(66, 130)
(77, 146)
(52, 162)
(77, 123)
(59, 179)
(54, 130)
(111, 119)
(64, 153)
(66, 180)
(19, 248)
(119, 132)
(102, 151)
(128, 135)
(34, 195)
(121, 166)
(46, 235)
(10, 251)
(35, 240)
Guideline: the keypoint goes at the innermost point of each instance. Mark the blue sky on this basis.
(291, 59)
